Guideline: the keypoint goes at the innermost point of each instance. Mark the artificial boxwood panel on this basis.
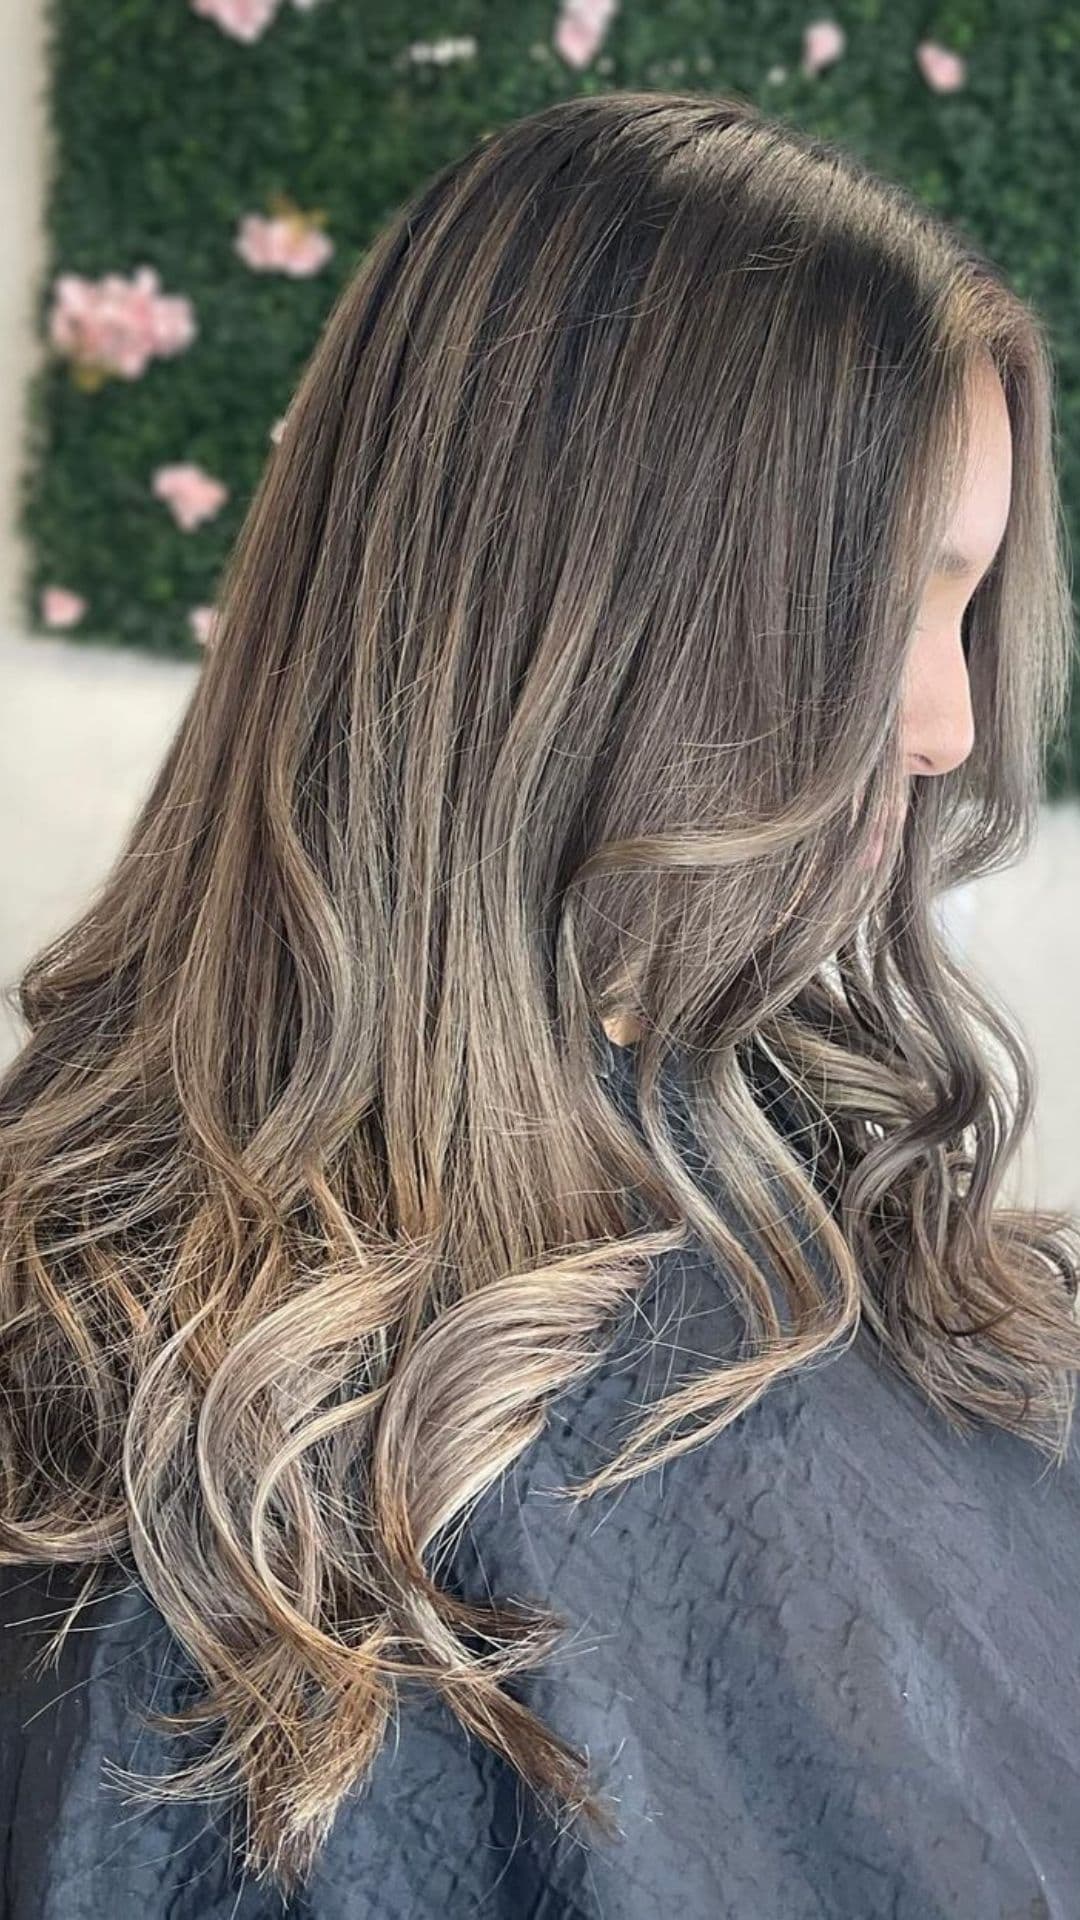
(168, 131)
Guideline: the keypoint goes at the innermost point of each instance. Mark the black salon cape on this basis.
(824, 1664)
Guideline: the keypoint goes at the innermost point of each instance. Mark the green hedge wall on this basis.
(170, 129)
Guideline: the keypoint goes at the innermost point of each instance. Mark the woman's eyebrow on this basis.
(951, 564)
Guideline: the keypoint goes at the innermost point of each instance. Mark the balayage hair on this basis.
(558, 672)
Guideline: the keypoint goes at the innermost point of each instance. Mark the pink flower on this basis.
(192, 494)
(203, 623)
(117, 326)
(245, 20)
(823, 42)
(61, 608)
(580, 29)
(942, 70)
(287, 243)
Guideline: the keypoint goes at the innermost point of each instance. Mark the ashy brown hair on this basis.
(558, 671)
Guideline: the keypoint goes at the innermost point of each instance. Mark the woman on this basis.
(515, 1051)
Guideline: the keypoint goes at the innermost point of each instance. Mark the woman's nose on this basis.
(942, 744)
(939, 728)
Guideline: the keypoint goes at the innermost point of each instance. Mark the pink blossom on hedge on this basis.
(191, 494)
(287, 243)
(60, 607)
(245, 20)
(118, 325)
(580, 29)
(942, 70)
(203, 623)
(823, 42)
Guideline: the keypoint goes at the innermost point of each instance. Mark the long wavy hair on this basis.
(557, 676)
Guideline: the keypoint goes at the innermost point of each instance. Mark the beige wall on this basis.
(82, 730)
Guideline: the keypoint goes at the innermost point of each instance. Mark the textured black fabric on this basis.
(825, 1662)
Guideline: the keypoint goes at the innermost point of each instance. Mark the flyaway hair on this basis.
(557, 672)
